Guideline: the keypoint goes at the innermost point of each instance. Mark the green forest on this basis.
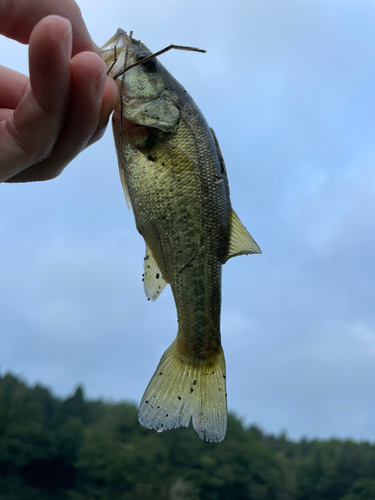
(79, 449)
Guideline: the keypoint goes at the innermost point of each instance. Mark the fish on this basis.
(175, 180)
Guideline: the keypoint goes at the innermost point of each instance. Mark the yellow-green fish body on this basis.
(176, 182)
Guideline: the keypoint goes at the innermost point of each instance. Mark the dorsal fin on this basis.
(153, 280)
(241, 242)
(222, 162)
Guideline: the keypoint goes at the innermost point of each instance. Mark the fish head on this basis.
(148, 96)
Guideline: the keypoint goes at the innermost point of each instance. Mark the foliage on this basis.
(75, 449)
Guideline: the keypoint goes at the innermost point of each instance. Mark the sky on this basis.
(289, 89)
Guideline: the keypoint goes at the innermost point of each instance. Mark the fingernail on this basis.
(100, 84)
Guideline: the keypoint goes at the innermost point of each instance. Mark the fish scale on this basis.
(175, 180)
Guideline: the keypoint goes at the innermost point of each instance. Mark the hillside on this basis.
(77, 449)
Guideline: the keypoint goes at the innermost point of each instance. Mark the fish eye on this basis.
(149, 65)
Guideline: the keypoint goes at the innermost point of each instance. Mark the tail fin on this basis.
(179, 391)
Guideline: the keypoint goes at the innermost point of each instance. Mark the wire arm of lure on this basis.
(152, 56)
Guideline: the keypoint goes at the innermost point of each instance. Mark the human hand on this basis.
(47, 120)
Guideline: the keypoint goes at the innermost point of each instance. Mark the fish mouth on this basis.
(112, 50)
(147, 99)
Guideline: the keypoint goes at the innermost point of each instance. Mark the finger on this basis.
(49, 62)
(6, 113)
(109, 100)
(90, 108)
(19, 17)
(93, 97)
(30, 134)
(13, 86)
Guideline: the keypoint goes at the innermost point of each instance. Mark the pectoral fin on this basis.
(153, 280)
(167, 156)
(241, 242)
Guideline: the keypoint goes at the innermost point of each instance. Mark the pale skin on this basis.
(48, 119)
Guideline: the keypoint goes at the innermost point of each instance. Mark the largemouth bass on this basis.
(175, 180)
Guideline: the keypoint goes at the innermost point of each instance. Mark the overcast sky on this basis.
(289, 89)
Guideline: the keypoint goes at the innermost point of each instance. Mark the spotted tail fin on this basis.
(179, 392)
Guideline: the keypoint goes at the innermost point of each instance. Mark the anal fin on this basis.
(154, 282)
(241, 242)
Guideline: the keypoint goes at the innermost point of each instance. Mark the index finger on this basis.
(19, 17)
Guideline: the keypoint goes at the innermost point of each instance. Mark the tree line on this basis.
(79, 449)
